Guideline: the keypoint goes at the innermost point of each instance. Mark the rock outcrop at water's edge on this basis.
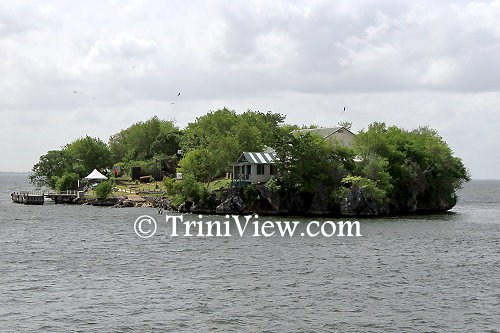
(126, 201)
(262, 201)
(358, 203)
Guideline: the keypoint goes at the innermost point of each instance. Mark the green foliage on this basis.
(417, 164)
(143, 140)
(345, 124)
(68, 181)
(50, 167)
(166, 143)
(375, 168)
(79, 157)
(396, 166)
(103, 190)
(215, 140)
(306, 161)
(187, 189)
(203, 164)
(273, 184)
(375, 192)
(169, 185)
(147, 167)
(89, 154)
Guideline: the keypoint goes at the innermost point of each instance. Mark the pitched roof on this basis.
(323, 132)
(256, 158)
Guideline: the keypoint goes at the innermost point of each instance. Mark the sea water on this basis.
(83, 268)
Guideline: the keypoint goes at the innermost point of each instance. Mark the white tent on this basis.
(96, 175)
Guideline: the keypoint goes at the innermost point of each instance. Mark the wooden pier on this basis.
(28, 198)
(38, 198)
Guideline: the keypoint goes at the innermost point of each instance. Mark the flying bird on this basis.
(74, 91)
(178, 94)
(344, 110)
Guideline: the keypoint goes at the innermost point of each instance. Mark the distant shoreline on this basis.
(15, 173)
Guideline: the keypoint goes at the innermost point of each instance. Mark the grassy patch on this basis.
(219, 183)
(140, 187)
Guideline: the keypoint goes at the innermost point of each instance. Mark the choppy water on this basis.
(82, 268)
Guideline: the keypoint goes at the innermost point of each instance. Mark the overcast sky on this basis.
(406, 63)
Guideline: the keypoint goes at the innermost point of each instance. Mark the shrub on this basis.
(169, 184)
(187, 189)
(103, 190)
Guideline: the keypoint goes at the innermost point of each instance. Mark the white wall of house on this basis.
(341, 136)
(254, 177)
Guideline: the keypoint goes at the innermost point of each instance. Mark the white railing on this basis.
(48, 192)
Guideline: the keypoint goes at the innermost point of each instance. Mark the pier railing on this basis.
(47, 193)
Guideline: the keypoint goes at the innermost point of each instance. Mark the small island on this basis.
(229, 163)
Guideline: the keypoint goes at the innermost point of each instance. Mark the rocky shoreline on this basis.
(125, 201)
(260, 200)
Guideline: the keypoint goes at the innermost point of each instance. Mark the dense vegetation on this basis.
(143, 144)
(406, 166)
(391, 166)
(215, 140)
(56, 168)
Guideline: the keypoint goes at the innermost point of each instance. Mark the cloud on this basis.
(407, 63)
(122, 54)
(121, 46)
(13, 20)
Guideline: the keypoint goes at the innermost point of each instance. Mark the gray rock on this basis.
(232, 205)
(185, 207)
(359, 203)
(105, 202)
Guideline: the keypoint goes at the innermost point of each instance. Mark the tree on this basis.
(202, 164)
(166, 143)
(50, 167)
(345, 124)
(143, 140)
(215, 140)
(68, 181)
(306, 162)
(90, 153)
(416, 166)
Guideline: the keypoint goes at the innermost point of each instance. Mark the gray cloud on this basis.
(404, 62)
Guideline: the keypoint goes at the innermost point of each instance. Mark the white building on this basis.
(254, 167)
(334, 135)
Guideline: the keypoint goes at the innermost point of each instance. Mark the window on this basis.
(249, 169)
(272, 170)
(260, 169)
(237, 170)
